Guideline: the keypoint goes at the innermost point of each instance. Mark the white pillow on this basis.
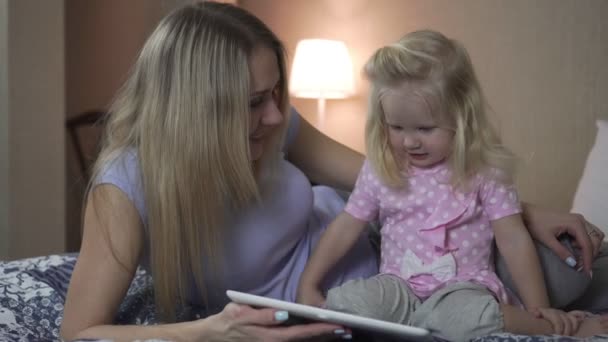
(591, 198)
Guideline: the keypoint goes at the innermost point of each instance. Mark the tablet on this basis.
(348, 320)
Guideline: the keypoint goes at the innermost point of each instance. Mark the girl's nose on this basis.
(411, 142)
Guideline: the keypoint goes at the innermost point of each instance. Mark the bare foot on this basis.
(593, 325)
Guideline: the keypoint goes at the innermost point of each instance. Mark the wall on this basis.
(541, 63)
(4, 169)
(103, 38)
(57, 60)
(32, 128)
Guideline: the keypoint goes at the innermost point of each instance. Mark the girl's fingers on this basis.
(578, 314)
(556, 321)
(536, 312)
(575, 323)
(569, 323)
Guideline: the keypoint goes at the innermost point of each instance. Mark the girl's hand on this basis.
(563, 323)
(580, 315)
(243, 323)
(310, 296)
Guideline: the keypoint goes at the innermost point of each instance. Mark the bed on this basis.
(32, 291)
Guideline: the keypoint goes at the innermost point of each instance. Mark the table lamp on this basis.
(321, 69)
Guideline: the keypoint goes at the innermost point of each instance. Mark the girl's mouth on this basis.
(418, 156)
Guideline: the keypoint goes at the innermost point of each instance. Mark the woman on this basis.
(191, 183)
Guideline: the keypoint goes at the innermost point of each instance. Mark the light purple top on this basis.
(267, 245)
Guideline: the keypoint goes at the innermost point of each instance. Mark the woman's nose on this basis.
(272, 116)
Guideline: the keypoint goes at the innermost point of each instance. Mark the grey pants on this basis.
(387, 298)
(458, 312)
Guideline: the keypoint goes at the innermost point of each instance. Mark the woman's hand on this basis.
(546, 226)
(243, 323)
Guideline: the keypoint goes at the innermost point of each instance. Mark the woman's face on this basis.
(263, 100)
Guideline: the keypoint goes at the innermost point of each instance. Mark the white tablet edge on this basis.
(318, 314)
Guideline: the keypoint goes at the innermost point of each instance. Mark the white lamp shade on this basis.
(321, 69)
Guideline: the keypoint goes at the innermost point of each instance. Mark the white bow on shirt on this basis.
(442, 268)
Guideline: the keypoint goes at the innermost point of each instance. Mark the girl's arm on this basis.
(339, 237)
(517, 248)
(323, 160)
(516, 245)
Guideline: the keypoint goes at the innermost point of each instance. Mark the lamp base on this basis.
(321, 113)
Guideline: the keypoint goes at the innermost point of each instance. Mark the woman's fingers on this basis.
(561, 251)
(264, 324)
(246, 314)
(596, 236)
(297, 332)
(577, 229)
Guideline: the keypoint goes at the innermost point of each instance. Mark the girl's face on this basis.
(263, 100)
(414, 135)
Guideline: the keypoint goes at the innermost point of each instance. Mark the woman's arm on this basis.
(109, 256)
(323, 160)
(338, 239)
(236, 323)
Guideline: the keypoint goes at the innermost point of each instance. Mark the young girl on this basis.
(439, 181)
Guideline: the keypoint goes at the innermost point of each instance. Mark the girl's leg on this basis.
(382, 297)
(460, 312)
(463, 311)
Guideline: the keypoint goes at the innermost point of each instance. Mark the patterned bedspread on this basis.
(32, 293)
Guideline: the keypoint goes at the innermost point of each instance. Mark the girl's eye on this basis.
(425, 129)
(395, 127)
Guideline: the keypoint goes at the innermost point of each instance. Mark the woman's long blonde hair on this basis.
(185, 110)
(443, 71)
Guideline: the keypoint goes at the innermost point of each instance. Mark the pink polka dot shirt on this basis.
(432, 234)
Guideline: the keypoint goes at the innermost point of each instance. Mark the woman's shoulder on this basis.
(121, 166)
(122, 170)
